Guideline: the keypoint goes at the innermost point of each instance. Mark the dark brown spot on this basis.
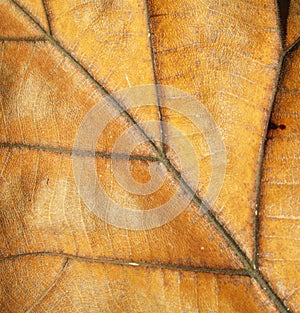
(276, 126)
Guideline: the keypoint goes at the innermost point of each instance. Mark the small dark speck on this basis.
(47, 181)
(275, 126)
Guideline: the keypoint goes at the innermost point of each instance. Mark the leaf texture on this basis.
(58, 59)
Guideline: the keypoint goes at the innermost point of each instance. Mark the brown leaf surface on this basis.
(58, 59)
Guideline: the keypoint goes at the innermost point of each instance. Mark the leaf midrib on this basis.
(251, 268)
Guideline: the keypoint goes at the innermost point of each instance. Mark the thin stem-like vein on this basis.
(293, 46)
(30, 39)
(47, 16)
(83, 153)
(279, 76)
(52, 285)
(260, 163)
(262, 153)
(195, 269)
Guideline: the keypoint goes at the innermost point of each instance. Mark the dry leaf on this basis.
(240, 60)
